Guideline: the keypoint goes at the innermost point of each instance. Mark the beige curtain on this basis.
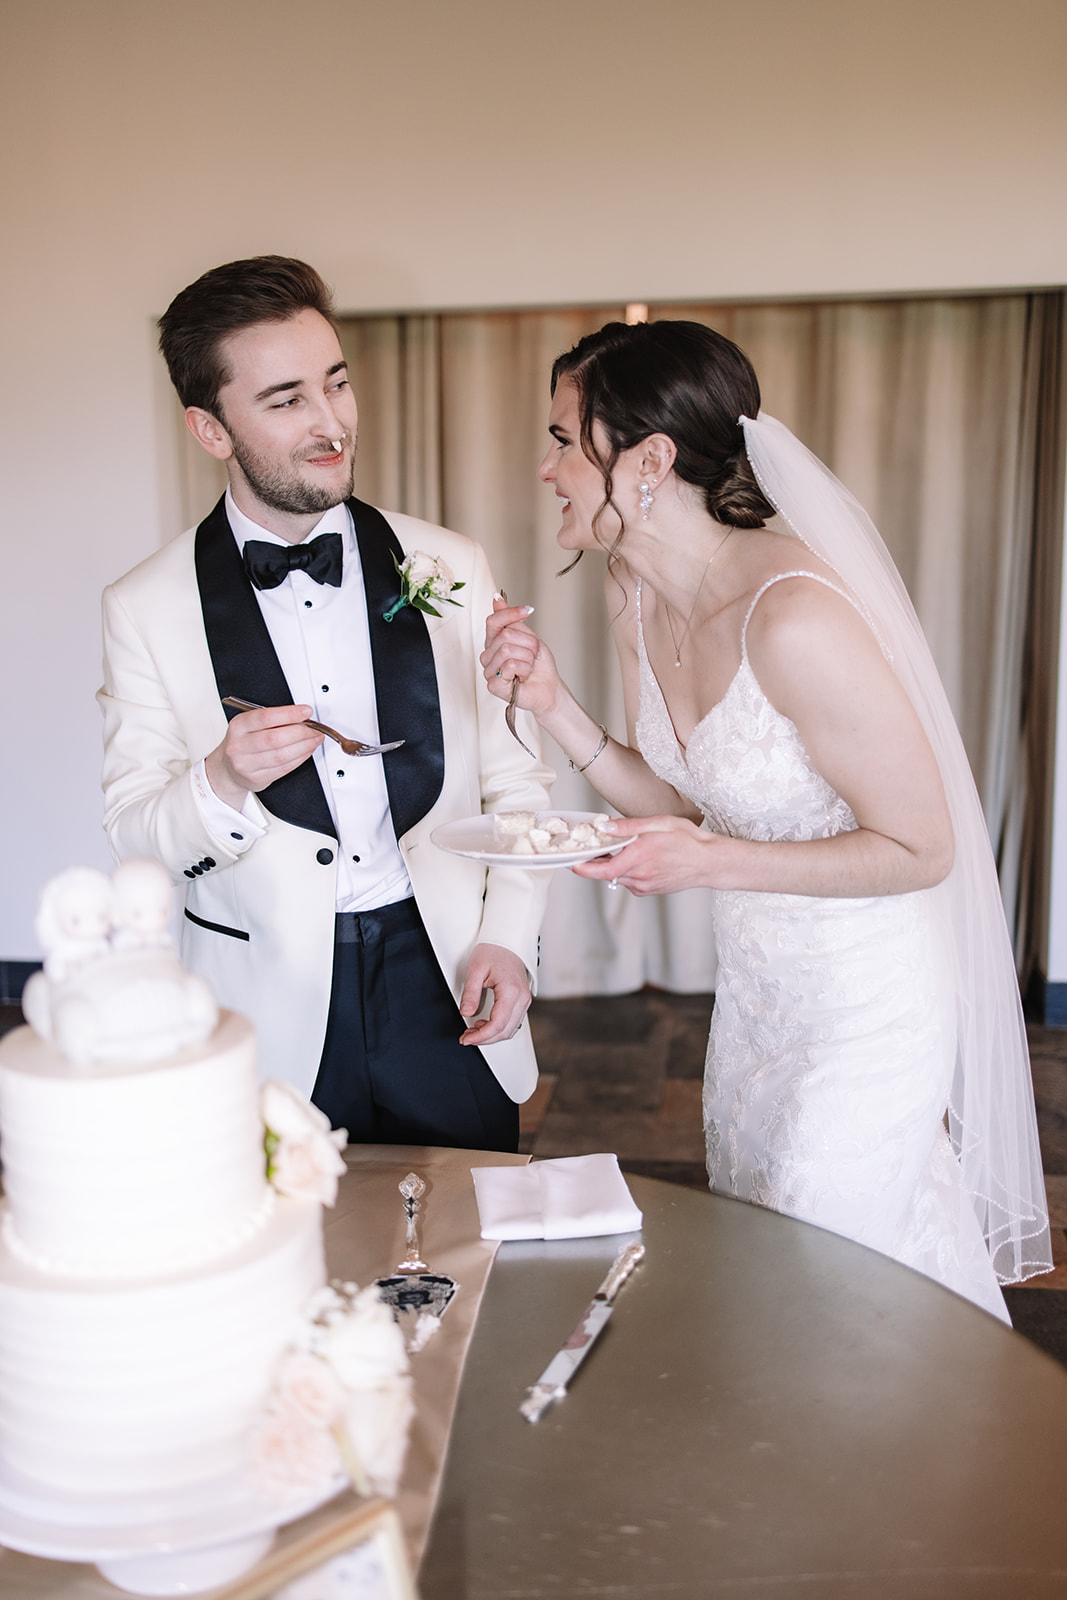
(940, 414)
(469, 461)
(934, 412)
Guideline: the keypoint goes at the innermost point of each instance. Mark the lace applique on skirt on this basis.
(832, 1042)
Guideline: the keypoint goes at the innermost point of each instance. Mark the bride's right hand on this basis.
(512, 650)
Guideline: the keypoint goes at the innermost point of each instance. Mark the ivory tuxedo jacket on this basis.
(183, 629)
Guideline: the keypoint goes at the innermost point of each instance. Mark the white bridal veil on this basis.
(991, 1107)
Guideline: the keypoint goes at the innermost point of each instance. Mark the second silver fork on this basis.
(351, 747)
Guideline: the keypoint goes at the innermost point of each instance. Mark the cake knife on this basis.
(552, 1384)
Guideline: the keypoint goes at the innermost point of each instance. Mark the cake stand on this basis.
(173, 1544)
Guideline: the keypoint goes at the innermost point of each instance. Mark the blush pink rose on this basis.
(308, 1168)
(308, 1385)
(292, 1456)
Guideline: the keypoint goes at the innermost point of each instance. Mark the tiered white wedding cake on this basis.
(176, 1378)
(150, 1276)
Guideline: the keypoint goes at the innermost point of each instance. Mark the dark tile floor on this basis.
(623, 1073)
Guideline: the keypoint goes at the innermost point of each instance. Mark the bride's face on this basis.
(578, 482)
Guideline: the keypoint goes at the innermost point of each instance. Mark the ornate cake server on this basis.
(413, 1288)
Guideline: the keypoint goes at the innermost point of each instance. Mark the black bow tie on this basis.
(268, 565)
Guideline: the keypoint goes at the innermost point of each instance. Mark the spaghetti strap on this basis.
(778, 577)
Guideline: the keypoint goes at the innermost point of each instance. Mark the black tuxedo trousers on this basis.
(392, 1069)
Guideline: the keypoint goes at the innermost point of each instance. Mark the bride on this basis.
(790, 748)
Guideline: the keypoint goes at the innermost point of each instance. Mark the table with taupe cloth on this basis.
(773, 1411)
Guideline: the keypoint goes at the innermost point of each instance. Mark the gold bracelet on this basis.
(599, 751)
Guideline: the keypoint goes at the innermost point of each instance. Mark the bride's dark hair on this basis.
(677, 378)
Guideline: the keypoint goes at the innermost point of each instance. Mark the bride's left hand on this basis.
(669, 853)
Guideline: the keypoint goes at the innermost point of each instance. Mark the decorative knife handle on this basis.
(623, 1265)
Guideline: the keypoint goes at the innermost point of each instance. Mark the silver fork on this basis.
(351, 747)
(509, 714)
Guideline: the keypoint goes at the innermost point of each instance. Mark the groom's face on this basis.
(287, 404)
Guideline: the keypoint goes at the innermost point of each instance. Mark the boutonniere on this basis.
(423, 578)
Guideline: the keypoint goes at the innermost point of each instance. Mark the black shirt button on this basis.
(324, 856)
(197, 871)
(236, 835)
(188, 873)
(355, 858)
(307, 604)
(340, 772)
(326, 688)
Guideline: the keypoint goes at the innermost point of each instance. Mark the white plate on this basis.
(475, 838)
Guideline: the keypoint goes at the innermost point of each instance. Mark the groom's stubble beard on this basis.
(281, 487)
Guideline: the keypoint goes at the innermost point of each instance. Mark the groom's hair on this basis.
(225, 300)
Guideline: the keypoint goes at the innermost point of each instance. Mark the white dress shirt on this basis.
(322, 640)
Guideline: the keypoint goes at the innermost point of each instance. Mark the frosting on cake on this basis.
(112, 1172)
(150, 1277)
(132, 1388)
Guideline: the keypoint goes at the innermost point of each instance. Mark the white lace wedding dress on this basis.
(832, 1040)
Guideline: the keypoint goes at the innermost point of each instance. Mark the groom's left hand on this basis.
(493, 967)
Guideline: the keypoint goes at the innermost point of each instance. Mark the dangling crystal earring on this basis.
(646, 500)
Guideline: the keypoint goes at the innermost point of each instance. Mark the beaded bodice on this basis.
(745, 765)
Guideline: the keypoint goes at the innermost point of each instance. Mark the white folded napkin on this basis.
(572, 1197)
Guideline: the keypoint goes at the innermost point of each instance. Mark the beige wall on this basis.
(474, 153)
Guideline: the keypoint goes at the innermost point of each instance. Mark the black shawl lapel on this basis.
(246, 665)
(405, 677)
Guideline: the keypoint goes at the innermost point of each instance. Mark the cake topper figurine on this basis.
(113, 989)
(143, 903)
(73, 920)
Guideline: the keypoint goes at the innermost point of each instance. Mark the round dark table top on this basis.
(773, 1413)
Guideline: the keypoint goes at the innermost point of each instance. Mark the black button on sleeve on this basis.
(188, 872)
(324, 856)
(237, 836)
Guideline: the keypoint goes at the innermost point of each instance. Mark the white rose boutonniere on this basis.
(303, 1152)
(423, 579)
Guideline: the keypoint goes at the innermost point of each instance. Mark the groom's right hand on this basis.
(260, 747)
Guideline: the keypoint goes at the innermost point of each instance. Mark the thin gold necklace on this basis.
(678, 643)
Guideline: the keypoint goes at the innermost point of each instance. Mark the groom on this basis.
(315, 900)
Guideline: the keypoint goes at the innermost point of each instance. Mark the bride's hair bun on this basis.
(677, 378)
(736, 498)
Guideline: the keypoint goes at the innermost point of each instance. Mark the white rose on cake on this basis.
(304, 1157)
(342, 1400)
(310, 1386)
(376, 1424)
(365, 1346)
